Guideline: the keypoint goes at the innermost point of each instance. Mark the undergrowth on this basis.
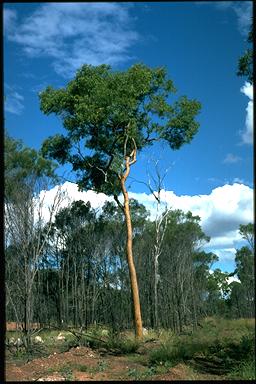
(244, 371)
(219, 346)
(125, 346)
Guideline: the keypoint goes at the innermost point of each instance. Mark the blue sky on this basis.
(198, 42)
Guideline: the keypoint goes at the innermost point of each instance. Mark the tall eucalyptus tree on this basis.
(110, 116)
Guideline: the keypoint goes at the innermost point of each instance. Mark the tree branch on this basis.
(118, 202)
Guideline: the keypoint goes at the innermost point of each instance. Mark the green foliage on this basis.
(21, 161)
(218, 286)
(245, 64)
(220, 343)
(66, 371)
(148, 373)
(102, 365)
(244, 371)
(67, 344)
(247, 233)
(110, 113)
(133, 373)
(245, 264)
(165, 353)
(242, 297)
(125, 346)
(23, 166)
(80, 367)
(56, 147)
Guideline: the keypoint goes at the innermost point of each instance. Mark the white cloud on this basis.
(242, 9)
(233, 278)
(231, 205)
(225, 254)
(70, 192)
(13, 102)
(73, 34)
(231, 159)
(247, 134)
(238, 180)
(10, 17)
(221, 212)
(247, 89)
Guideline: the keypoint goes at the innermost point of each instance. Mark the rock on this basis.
(38, 339)
(60, 337)
(144, 331)
(18, 342)
(12, 341)
(104, 332)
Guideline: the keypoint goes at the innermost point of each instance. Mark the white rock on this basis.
(18, 342)
(104, 332)
(12, 340)
(52, 378)
(144, 331)
(38, 339)
(60, 337)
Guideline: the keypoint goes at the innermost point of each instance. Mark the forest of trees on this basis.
(72, 270)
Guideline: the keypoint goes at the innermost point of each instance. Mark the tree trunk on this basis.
(129, 253)
(155, 289)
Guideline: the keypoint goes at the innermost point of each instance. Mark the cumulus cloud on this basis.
(13, 102)
(247, 134)
(68, 192)
(73, 34)
(231, 159)
(221, 211)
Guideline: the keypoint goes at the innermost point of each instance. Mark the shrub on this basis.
(167, 352)
(222, 343)
(244, 371)
(79, 367)
(68, 344)
(123, 345)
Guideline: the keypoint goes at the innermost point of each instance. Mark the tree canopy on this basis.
(107, 114)
(245, 63)
(22, 164)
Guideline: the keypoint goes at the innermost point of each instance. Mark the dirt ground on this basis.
(85, 364)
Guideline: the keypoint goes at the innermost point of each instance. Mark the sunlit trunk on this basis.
(129, 253)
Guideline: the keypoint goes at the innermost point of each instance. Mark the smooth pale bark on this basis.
(129, 251)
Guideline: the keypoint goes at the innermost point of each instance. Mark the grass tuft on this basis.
(125, 346)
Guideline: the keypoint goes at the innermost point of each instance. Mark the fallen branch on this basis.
(78, 334)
